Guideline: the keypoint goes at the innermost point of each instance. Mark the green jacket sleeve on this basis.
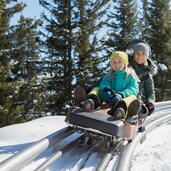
(149, 91)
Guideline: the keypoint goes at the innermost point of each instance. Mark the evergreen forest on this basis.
(42, 60)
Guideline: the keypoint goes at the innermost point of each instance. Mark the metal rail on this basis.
(108, 156)
(55, 156)
(59, 154)
(162, 104)
(22, 158)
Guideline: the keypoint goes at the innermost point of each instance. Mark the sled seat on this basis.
(96, 120)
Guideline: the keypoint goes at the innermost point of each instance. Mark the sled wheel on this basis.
(129, 140)
(86, 140)
(108, 145)
(141, 129)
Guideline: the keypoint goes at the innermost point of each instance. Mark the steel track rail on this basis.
(162, 104)
(54, 157)
(23, 157)
(113, 152)
(57, 155)
(151, 123)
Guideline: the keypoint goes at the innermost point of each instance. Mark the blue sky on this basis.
(33, 9)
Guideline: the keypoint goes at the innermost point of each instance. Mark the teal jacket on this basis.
(121, 83)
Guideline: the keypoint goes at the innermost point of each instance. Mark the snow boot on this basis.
(124, 104)
(134, 108)
(88, 104)
(94, 95)
(119, 113)
(79, 95)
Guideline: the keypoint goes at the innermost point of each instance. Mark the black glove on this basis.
(110, 91)
(150, 107)
(105, 95)
(117, 98)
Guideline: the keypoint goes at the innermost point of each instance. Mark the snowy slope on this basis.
(16, 137)
(155, 153)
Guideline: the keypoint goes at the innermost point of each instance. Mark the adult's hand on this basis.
(150, 106)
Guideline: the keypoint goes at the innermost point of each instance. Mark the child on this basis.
(145, 69)
(121, 78)
(121, 82)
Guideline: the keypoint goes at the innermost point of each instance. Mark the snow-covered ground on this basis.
(153, 155)
(16, 137)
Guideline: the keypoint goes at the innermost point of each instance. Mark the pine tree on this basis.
(87, 46)
(144, 20)
(71, 45)
(159, 38)
(57, 46)
(159, 32)
(25, 53)
(8, 89)
(122, 25)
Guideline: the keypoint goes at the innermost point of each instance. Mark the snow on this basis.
(163, 67)
(153, 155)
(30, 131)
(16, 137)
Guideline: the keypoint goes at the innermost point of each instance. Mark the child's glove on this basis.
(150, 107)
(117, 98)
(105, 95)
